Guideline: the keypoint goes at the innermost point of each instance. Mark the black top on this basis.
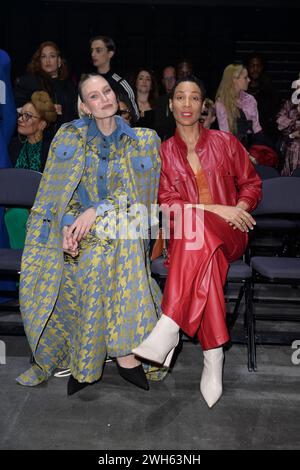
(164, 122)
(121, 87)
(16, 146)
(62, 92)
(147, 120)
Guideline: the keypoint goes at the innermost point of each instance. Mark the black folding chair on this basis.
(280, 201)
(18, 188)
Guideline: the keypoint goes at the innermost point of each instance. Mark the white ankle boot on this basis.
(160, 344)
(211, 380)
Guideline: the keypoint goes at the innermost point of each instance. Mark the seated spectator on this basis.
(103, 49)
(146, 92)
(184, 69)
(168, 79)
(208, 115)
(30, 153)
(260, 86)
(237, 113)
(125, 110)
(288, 121)
(164, 121)
(48, 72)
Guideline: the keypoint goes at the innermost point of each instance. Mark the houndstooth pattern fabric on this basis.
(76, 312)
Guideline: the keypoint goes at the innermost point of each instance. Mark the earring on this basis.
(90, 116)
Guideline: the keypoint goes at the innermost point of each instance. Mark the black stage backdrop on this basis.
(154, 34)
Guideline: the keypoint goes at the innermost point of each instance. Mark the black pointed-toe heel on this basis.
(74, 386)
(135, 375)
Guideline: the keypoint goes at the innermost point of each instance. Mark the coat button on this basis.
(65, 153)
(142, 165)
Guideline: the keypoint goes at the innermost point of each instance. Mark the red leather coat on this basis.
(230, 174)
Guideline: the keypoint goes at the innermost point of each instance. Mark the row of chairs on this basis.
(279, 211)
(267, 172)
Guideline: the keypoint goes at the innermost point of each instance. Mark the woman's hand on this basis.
(237, 217)
(82, 225)
(70, 245)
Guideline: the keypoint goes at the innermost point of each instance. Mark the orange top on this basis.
(203, 188)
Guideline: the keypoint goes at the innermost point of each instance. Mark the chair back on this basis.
(18, 187)
(279, 196)
(266, 172)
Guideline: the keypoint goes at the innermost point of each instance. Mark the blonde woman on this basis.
(236, 109)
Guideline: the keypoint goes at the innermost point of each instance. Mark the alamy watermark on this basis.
(131, 221)
(296, 354)
(2, 353)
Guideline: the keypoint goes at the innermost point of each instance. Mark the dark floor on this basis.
(258, 410)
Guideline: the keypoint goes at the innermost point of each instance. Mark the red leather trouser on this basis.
(193, 295)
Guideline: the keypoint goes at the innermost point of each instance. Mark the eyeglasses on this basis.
(27, 116)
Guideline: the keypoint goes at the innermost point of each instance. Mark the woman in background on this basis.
(146, 92)
(48, 71)
(237, 113)
(29, 150)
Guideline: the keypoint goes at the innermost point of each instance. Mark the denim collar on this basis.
(122, 128)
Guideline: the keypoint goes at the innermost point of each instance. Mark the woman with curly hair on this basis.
(29, 150)
(48, 71)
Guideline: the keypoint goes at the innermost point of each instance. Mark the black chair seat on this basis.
(10, 260)
(277, 267)
(274, 223)
(239, 270)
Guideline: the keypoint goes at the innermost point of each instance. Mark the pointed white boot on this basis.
(211, 380)
(160, 344)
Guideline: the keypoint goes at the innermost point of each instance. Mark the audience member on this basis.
(125, 110)
(103, 49)
(146, 93)
(164, 122)
(288, 121)
(260, 86)
(168, 78)
(29, 150)
(237, 113)
(48, 72)
(184, 69)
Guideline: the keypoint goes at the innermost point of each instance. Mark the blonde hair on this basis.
(80, 111)
(226, 94)
(44, 106)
